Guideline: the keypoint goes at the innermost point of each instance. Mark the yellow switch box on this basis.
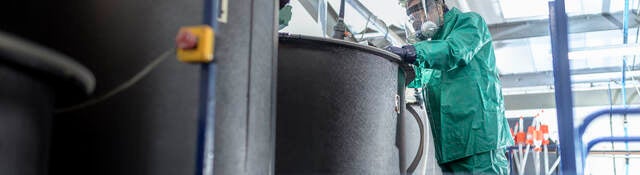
(203, 52)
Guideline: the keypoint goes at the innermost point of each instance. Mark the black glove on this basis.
(407, 53)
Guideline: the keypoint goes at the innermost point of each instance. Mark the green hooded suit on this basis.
(462, 89)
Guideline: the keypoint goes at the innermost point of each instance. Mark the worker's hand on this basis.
(407, 53)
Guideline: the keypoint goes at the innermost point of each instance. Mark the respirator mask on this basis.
(425, 18)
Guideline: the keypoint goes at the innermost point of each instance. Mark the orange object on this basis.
(530, 132)
(545, 134)
(544, 129)
(520, 138)
(537, 136)
(537, 140)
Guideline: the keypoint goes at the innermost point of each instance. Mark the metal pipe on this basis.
(207, 101)
(524, 160)
(569, 149)
(625, 40)
(536, 163)
(546, 160)
(322, 16)
(377, 23)
(613, 147)
(516, 159)
(600, 113)
(341, 14)
(609, 139)
(340, 28)
(555, 164)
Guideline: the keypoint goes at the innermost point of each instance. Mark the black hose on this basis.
(418, 157)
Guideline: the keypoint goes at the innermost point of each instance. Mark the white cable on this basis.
(133, 80)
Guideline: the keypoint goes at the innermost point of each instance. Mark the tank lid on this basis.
(58, 70)
(408, 69)
(377, 51)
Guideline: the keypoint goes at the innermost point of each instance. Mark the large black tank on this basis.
(32, 80)
(338, 107)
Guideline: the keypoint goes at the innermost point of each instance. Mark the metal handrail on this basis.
(608, 139)
(594, 115)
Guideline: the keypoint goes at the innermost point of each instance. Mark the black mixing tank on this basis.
(337, 107)
(32, 79)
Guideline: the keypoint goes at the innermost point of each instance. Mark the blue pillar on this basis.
(570, 146)
(206, 110)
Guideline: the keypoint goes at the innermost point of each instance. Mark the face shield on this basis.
(425, 18)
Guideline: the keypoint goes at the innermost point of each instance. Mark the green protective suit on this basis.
(284, 16)
(457, 70)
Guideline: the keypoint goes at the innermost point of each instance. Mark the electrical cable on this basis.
(365, 27)
(611, 126)
(124, 86)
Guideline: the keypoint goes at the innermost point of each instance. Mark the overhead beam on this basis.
(538, 28)
(311, 6)
(581, 99)
(612, 19)
(545, 78)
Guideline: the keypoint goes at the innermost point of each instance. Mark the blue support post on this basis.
(207, 110)
(570, 146)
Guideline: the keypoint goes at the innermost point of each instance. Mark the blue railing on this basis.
(609, 139)
(605, 112)
(600, 113)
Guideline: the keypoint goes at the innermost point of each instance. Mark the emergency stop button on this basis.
(195, 44)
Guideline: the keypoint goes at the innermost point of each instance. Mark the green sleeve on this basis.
(468, 35)
(284, 16)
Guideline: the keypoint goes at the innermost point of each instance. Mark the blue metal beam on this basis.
(207, 110)
(570, 148)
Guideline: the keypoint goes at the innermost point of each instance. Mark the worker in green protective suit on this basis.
(284, 15)
(456, 68)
